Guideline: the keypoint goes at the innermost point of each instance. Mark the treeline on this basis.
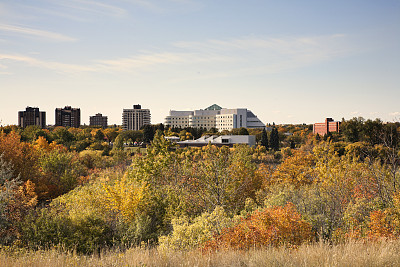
(207, 198)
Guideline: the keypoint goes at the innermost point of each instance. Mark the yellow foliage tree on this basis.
(297, 169)
(125, 196)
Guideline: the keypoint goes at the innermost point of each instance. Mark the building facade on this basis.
(98, 120)
(68, 117)
(326, 127)
(136, 118)
(32, 116)
(223, 140)
(214, 117)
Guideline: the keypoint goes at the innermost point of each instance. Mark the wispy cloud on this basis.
(241, 56)
(274, 54)
(216, 58)
(91, 6)
(394, 114)
(56, 66)
(165, 5)
(35, 32)
(147, 59)
(355, 113)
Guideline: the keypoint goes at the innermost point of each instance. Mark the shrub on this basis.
(270, 227)
(48, 229)
(188, 235)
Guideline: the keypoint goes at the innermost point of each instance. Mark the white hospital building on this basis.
(214, 117)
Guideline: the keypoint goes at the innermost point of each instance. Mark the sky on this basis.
(288, 61)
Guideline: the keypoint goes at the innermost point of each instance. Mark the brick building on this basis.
(68, 117)
(32, 116)
(98, 120)
(329, 126)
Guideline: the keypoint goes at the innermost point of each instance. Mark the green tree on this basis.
(352, 129)
(372, 131)
(62, 136)
(31, 133)
(243, 131)
(99, 136)
(148, 133)
(274, 139)
(60, 173)
(264, 139)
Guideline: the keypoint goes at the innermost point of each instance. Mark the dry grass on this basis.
(385, 253)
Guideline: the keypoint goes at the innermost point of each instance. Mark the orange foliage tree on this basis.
(23, 156)
(269, 227)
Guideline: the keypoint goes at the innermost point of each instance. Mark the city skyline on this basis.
(289, 62)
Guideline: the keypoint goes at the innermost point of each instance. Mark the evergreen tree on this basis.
(99, 136)
(274, 139)
(292, 144)
(243, 131)
(148, 133)
(264, 139)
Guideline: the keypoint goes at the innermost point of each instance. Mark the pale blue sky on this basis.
(287, 61)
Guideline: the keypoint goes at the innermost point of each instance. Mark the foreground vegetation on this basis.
(293, 193)
(385, 253)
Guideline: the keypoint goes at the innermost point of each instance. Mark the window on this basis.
(225, 141)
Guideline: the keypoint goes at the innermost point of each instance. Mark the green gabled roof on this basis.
(214, 107)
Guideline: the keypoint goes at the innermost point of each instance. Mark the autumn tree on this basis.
(23, 156)
(60, 173)
(269, 227)
(16, 200)
(297, 169)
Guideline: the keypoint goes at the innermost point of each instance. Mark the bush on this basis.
(188, 235)
(48, 229)
(270, 227)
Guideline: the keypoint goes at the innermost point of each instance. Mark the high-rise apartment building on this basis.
(98, 120)
(214, 117)
(68, 117)
(136, 118)
(32, 116)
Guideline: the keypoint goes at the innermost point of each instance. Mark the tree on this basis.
(8, 184)
(31, 133)
(296, 169)
(264, 139)
(62, 136)
(148, 133)
(23, 156)
(60, 173)
(99, 136)
(274, 139)
(372, 131)
(16, 201)
(243, 131)
(352, 129)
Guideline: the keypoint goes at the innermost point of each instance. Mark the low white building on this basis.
(223, 140)
(214, 117)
